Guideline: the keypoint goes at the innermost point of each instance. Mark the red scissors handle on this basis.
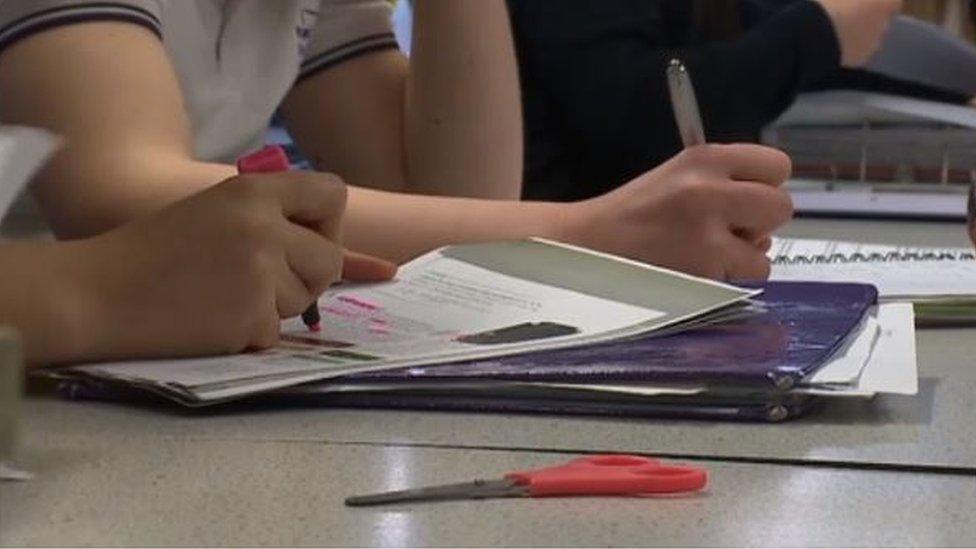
(610, 475)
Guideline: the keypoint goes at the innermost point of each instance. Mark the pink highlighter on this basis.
(272, 158)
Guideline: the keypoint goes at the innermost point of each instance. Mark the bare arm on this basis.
(446, 122)
(127, 152)
(463, 105)
(127, 145)
(109, 89)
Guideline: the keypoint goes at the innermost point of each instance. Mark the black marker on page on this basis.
(270, 159)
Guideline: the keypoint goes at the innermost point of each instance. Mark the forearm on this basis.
(87, 192)
(396, 226)
(463, 122)
(399, 227)
(108, 89)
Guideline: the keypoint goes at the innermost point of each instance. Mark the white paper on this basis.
(22, 153)
(847, 364)
(893, 367)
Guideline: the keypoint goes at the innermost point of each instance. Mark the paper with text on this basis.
(457, 303)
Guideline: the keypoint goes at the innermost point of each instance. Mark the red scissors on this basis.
(601, 475)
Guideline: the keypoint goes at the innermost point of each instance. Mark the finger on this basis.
(265, 333)
(754, 209)
(291, 295)
(748, 162)
(357, 267)
(313, 259)
(743, 261)
(315, 200)
(764, 244)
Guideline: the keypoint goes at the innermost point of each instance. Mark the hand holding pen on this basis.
(688, 119)
(355, 266)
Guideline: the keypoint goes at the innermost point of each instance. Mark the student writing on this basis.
(154, 98)
(211, 274)
(596, 105)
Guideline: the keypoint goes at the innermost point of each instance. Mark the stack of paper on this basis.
(810, 342)
(457, 303)
(879, 357)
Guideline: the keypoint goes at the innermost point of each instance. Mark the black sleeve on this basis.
(601, 68)
(859, 79)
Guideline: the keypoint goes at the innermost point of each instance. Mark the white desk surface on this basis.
(114, 474)
(137, 490)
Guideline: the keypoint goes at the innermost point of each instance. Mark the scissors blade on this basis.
(479, 489)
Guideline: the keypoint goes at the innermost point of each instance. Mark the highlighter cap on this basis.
(271, 158)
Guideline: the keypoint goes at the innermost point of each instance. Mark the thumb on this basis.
(357, 267)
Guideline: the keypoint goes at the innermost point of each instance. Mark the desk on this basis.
(121, 474)
(151, 489)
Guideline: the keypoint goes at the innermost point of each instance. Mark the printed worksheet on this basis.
(457, 303)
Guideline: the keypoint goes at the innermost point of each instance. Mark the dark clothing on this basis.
(596, 105)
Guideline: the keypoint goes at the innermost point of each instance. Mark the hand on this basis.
(708, 211)
(860, 26)
(215, 272)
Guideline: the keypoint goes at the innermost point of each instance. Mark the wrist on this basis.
(570, 222)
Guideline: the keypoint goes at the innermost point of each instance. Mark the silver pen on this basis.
(685, 105)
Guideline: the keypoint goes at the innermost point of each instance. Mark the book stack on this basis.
(545, 327)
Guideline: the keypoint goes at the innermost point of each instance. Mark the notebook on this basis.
(920, 275)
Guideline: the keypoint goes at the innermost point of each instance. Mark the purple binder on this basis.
(805, 322)
(750, 364)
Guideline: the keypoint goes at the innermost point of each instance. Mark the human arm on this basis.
(599, 68)
(210, 274)
(447, 121)
(152, 164)
(127, 145)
